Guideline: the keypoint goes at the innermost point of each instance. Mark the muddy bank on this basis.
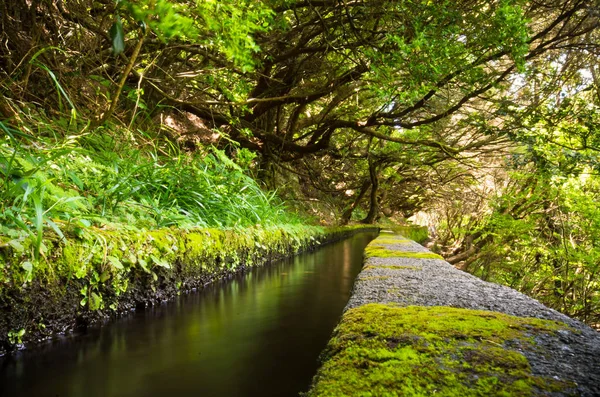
(86, 282)
(415, 325)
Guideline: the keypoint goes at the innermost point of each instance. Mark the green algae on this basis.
(378, 251)
(383, 350)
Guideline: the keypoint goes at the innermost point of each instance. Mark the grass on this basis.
(60, 182)
(52, 180)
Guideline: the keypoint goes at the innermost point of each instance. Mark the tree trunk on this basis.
(374, 206)
(113, 104)
(266, 170)
(348, 212)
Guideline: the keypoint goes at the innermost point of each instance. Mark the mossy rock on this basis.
(383, 350)
(386, 240)
(366, 278)
(108, 272)
(392, 267)
(378, 251)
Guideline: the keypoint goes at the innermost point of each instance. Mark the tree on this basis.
(302, 82)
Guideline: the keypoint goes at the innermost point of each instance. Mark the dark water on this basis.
(257, 335)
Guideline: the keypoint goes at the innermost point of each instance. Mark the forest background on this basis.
(477, 118)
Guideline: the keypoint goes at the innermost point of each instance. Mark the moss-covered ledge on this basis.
(106, 273)
(416, 326)
(382, 350)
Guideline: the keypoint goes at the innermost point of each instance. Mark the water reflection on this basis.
(256, 335)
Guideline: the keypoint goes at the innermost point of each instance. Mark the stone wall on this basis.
(416, 326)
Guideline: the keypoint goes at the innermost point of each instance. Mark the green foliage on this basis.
(54, 189)
(426, 41)
(226, 27)
(117, 37)
(416, 233)
(417, 351)
(561, 139)
(15, 337)
(92, 176)
(542, 238)
(231, 26)
(168, 19)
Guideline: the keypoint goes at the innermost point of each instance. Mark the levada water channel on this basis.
(259, 334)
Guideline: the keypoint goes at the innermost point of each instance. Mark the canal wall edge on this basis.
(416, 326)
(110, 274)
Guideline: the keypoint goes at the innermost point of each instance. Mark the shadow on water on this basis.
(259, 334)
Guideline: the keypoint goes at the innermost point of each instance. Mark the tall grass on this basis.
(118, 178)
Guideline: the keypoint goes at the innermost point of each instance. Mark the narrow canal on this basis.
(259, 334)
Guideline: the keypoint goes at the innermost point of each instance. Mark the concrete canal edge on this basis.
(108, 274)
(416, 326)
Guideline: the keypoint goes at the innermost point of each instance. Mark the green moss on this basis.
(383, 350)
(374, 278)
(378, 251)
(104, 262)
(380, 240)
(416, 233)
(392, 267)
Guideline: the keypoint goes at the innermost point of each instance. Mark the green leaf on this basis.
(16, 245)
(104, 276)
(132, 259)
(117, 37)
(115, 262)
(84, 223)
(27, 266)
(75, 179)
(56, 229)
(95, 301)
(38, 220)
(144, 265)
(160, 262)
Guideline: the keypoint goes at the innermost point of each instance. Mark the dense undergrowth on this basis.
(98, 220)
(66, 181)
(62, 182)
(540, 236)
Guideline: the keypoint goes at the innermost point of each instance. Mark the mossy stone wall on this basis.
(382, 350)
(387, 348)
(107, 273)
